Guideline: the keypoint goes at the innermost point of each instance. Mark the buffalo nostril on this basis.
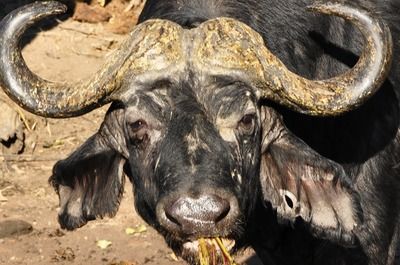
(171, 218)
(224, 213)
(196, 212)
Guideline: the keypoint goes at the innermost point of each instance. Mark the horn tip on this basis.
(54, 6)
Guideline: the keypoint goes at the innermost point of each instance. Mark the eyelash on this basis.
(246, 124)
(138, 132)
(138, 125)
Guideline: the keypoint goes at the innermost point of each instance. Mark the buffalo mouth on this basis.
(209, 251)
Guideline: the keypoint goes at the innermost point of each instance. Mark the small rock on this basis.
(63, 254)
(14, 228)
(56, 233)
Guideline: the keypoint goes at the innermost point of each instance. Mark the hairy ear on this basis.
(90, 181)
(300, 183)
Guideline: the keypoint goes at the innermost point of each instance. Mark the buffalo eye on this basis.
(247, 123)
(138, 131)
(138, 125)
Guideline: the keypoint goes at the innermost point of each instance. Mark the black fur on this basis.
(363, 143)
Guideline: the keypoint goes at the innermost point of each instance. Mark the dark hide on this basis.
(174, 152)
(187, 140)
(363, 141)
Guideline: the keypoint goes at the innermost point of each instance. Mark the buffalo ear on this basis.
(302, 185)
(89, 183)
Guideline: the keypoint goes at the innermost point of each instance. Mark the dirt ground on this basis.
(69, 51)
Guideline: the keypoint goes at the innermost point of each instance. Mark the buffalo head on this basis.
(187, 127)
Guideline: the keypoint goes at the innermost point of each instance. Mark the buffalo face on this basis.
(193, 163)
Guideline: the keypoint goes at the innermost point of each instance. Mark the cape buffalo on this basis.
(254, 121)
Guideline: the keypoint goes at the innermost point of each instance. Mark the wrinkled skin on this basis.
(175, 141)
(365, 142)
(194, 139)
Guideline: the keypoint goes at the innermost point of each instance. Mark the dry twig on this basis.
(23, 118)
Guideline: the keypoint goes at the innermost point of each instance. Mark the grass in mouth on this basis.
(208, 253)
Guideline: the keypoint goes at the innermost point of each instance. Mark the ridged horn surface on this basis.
(151, 47)
(227, 46)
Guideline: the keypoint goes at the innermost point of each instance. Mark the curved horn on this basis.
(147, 48)
(349, 90)
(227, 46)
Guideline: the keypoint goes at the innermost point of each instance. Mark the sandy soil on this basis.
(68, 51)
